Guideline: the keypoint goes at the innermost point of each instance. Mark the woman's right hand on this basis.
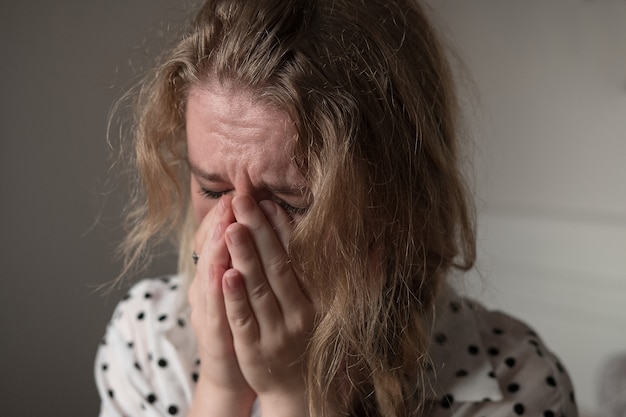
(221, 389)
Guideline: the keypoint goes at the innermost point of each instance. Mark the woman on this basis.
(304, 153)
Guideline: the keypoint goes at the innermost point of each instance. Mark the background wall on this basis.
(548, 113)
(62, 65)
(548, 116)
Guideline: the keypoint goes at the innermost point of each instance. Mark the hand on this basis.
(221, 389)
(270, 315)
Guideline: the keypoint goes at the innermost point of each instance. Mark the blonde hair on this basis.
(368, 87)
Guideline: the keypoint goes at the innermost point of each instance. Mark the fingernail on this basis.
(269, 208)
(242, 204)
(232, 281)
(234, 235)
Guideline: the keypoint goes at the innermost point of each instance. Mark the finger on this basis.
(279, 221)
(271, 251)
(246, 261)
(243, 323)
(205, 292)
(208, 243)
(215, 307)
(282, 224)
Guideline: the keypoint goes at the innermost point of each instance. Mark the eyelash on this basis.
(289, 209)
(212, 195)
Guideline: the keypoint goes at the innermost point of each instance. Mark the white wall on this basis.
(549, 121)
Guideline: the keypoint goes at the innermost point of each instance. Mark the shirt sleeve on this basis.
(532, 380)
(139, 369)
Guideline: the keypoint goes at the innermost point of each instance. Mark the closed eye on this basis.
(212, 195)
(292, 210)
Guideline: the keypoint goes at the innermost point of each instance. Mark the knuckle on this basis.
(241, 320)
(302, 321)
(260, 291)
(278, 266)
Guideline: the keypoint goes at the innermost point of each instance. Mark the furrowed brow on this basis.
(208, 176)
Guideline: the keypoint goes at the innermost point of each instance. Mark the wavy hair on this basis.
(368, 87)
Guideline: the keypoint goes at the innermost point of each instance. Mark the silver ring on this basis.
(195, 258)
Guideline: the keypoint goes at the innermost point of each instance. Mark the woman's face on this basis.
(240, 146)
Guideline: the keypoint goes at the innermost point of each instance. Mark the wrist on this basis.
(284, 404)
(209, 401)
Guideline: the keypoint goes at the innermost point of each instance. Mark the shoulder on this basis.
(147, 357)
(153, 298)
(489, 363)
(150, 309)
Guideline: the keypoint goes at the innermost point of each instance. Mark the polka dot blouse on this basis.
(485, 363)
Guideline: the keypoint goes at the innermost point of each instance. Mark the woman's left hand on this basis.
(270, 316)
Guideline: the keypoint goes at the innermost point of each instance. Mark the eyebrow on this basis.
(280, 188)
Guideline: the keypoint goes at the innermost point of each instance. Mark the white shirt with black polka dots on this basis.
(486, 364)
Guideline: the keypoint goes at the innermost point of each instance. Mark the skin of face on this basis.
(240, 146)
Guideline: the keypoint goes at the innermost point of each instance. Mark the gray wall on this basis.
(62, 65)
(549, 127)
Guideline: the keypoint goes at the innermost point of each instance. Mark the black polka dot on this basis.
(111, 393)
(447, 400)
(130, 344)
(551, 381)
(497, 330)
(174, 287)
(493, 351)
(455, 306)
(151, 398)
(510, 362)
(194, 376)
(166, 280)
(519, 409)
(172, 410)
(149, 356)
(163, 317)
(104, 366)
(441, 338)
(548, 413)
(140, 316)
(491, 374)
(126, 297)
(461, 373)
(138, 366)
(533, 342)
(473, 349)
(198, 361)
(181, 322)
(513, 387)
(539, 352)
(147, 295)
(162, 363)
